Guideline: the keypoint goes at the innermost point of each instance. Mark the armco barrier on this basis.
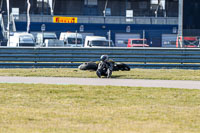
(187, 58)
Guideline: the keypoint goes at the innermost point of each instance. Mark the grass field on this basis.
(31, 108)
(165, 74)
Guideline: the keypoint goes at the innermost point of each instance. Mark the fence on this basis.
(106, 20)
(187, 58)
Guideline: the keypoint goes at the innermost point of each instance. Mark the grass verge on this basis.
(164, 74)
(87, 109)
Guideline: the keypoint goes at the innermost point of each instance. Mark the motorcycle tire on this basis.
(88, 66)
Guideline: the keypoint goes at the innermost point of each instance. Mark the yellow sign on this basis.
(57, 19)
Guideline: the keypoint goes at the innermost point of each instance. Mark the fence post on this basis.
(35, 55)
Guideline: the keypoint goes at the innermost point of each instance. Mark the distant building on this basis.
(165, 8)
(155, 20)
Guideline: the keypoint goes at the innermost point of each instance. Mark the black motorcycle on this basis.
(93, 66)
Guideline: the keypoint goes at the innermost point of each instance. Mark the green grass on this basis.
(31, 108)
(165, 74)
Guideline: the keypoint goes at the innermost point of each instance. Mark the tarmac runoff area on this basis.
(103, 82)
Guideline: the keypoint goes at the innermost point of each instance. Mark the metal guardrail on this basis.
(187, 58)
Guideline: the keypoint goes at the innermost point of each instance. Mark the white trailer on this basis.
(21, 39)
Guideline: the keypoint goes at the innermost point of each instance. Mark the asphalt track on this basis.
(103, 82)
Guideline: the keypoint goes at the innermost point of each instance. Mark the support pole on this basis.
(180, 23)
(42, 9)
(180, 18)
(8, 25)
(109, 38)
(143, 37)
(28, 16)
(104, 11)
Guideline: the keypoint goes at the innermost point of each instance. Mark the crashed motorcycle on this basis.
(104, 67)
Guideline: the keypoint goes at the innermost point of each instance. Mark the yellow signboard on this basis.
(57, 19)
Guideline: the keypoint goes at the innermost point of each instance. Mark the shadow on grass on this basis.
(112, 77)
(115, 76)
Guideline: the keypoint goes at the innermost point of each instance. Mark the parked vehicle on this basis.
(137, 43)
(97, 41)
(41, 37)
(54, 43)
(21, 39)
(72, 39)
(187, 42)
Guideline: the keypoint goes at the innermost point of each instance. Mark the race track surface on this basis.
(104, 82)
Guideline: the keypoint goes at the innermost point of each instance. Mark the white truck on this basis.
(72, 39)
(21, 40)
(97, 41)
